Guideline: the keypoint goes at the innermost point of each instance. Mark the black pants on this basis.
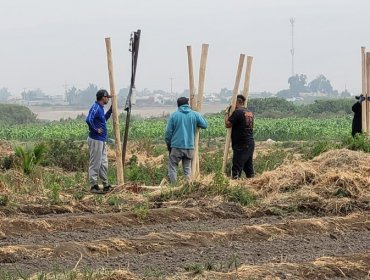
(243, 161)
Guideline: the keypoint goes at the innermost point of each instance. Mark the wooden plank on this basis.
(233, 104)
(367, 93)
(364, 90)
(191, 78)
(247, 78)
(202, 73)
(115, 114)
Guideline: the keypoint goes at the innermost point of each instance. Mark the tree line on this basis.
(262, 107)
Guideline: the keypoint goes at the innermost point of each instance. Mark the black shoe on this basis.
(95, 189)
(107, 188)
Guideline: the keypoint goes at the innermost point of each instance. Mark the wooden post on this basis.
(116, 128)
(191, 78)
(202, 74)
(247, 78)
(367, 93)
(233, 104)
(364, 89)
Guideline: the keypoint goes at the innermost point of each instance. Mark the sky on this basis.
(53, 45)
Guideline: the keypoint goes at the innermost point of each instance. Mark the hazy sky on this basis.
(48, 43)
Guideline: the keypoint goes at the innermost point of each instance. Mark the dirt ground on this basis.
(170, 240)
(205, 237)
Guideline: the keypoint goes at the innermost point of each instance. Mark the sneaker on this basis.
(95, 189)
(107, 188)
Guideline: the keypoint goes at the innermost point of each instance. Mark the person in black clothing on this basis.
(357, 117)
(242, 141)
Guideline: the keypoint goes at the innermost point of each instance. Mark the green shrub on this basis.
(141, 210)
(358, 143)
(30, 156)
(270, 161)
(211, 162)
(194, 268)
(11, 114)
(54, 194)
(67, 154)
(148, 173)
(114, 200)
(241, 195)
(317, 149)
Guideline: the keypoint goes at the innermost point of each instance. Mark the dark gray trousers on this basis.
(177, 155)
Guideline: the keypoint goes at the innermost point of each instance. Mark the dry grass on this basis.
(349, 267)
(337, 181)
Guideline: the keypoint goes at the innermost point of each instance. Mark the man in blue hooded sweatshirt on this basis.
(179, 137)
(97, 122)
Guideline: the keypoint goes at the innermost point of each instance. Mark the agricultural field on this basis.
(282, 129)
(306, 214)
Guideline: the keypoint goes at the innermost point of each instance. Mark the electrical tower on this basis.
(292, 20)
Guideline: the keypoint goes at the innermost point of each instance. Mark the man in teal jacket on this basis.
(179, 137)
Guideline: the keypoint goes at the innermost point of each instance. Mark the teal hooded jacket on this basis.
(181, 126)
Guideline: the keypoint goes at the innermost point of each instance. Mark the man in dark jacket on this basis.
(357, 117)
(241, 121)
(97, 122)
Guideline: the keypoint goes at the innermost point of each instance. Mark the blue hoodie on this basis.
(181, 127)
(97, 119)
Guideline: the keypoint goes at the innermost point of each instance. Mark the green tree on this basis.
(86, 96)
(321, 84)
(33, 95)
(297, 83)
(71, 94)
(16, 114)
(4, 94)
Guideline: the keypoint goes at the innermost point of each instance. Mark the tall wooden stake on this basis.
(247, 78)
(116, 129)
(364, 89)
(233, 104)
(202, 73)
(367, 93)
(191, 78)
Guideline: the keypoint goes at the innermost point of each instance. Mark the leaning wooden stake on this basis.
(247, 78)
(202, 73)
(191, 78)
(115, 114)
(367, 93)
(233, 104)
(364, 89)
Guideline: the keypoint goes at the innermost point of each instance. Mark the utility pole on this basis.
(292, 20)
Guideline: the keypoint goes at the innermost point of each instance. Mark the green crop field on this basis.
(277, 129)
